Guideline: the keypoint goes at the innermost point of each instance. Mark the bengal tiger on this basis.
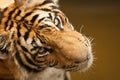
(37, 42)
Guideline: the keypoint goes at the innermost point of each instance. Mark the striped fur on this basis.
(38, 35)
(28, 41)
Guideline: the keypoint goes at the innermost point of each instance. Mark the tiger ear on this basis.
(55, 1)
(30, 3)
(27, 4)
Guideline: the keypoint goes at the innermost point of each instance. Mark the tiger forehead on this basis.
(36, 15)
(40, 16)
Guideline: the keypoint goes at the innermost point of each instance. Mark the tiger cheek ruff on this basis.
(36, 36)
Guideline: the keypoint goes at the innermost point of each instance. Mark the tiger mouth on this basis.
(79, 66)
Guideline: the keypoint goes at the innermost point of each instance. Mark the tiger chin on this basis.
(37, 41)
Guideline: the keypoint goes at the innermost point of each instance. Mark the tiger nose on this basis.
(86, 58)
(85, 51)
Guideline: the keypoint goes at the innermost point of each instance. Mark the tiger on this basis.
(38, 42)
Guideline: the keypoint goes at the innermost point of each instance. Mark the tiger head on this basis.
(38, 32)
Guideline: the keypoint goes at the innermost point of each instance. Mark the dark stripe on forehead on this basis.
(34, 18)
(11, 13)
(6, 24)
(26, 15)
(9, 17)
(11, 25)
(17, 14)
(18, 31)
(54, 7)
(46, 2)
(45, 9)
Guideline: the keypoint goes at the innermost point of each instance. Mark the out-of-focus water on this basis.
(101, 20)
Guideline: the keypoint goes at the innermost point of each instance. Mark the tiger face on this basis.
(39, 36)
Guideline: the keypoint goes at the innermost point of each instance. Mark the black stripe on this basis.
(48, 49)
(39, 37)
(24, 49)
(9, 18)
(6, 24)
(54, 7)
(59, 24)
(43, 26)
(35, 48)
(1, 16)
(18, 42)
(28, 68)
(29, 60)
(41, 19)
(50, 16)
(17, 14)
(11, 13)
(21, 62)
(18, 31)
(12, 36)
(34, 18)
(46, 2)
(2, 13)
(5, 9)
(45, 9)
(27, 34)
(11, 25)
(25, 25)
(63, 23)
(26, 15)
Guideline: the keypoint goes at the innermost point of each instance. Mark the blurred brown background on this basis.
(101, 20)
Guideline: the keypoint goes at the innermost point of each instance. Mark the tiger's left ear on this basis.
(55, 1)
(28, 4)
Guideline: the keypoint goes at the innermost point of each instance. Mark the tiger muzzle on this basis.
(72, 50)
